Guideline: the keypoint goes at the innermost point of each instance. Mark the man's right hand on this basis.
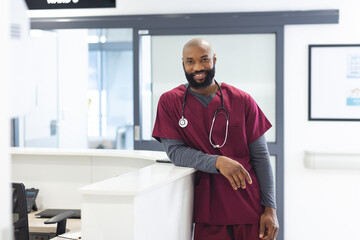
(233, 171)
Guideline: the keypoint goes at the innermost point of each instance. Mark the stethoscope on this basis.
(183, 122)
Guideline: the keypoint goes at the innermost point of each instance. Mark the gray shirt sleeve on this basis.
(260, 160)
(182, 155)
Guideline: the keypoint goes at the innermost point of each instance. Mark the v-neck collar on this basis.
(204, 100)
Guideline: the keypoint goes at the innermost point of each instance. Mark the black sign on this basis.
(66, 4)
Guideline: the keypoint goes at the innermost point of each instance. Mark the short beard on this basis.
(208, 79)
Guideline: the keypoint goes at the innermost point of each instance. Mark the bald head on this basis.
(198, 42)
(199, 63)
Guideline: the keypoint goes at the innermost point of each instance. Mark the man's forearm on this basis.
(260, 161)
(182, 155)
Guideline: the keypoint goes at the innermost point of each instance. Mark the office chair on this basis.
(20, 215)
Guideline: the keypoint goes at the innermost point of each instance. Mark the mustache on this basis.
(209, 75)
(197, 72)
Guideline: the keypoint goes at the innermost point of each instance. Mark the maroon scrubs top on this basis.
(215, 201)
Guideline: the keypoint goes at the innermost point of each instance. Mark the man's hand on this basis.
(233, 171)
(269, 226)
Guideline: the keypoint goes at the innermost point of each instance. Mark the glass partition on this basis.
(246, 61)
(110, 115)
(84, 89)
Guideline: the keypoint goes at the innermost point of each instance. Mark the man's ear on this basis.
(214, 58)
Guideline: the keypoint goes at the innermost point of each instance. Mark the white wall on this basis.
(319, 204)
(5, 209)
(22, 100)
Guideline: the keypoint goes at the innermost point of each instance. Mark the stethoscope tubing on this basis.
(183, 122)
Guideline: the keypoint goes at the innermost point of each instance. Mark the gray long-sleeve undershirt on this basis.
(182, 155)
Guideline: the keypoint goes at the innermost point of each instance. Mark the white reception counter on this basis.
(122, 194)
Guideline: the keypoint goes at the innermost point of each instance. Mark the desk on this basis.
(152, 203)
(121, 193)
(59, 173)
(37, 226)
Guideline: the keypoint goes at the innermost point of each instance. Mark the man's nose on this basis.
(198, 67)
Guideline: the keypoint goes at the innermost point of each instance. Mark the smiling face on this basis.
(199, 63)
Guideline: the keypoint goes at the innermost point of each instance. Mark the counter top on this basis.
(139, 181)
(149, 155)
(128, 184)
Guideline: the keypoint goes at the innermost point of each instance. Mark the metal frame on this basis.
(310, 118)
(215, 23)
(275, 148)
(153, 145)
(196, 20)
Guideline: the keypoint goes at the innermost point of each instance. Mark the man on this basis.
(218, 130)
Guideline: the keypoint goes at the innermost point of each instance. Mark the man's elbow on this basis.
(176, 156)
(175, 162)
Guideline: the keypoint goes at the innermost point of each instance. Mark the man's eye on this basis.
(189, 61)
(205, 59)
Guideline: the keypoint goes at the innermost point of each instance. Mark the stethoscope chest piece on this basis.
(183, 122)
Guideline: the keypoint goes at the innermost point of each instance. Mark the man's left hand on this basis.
(269, 225)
